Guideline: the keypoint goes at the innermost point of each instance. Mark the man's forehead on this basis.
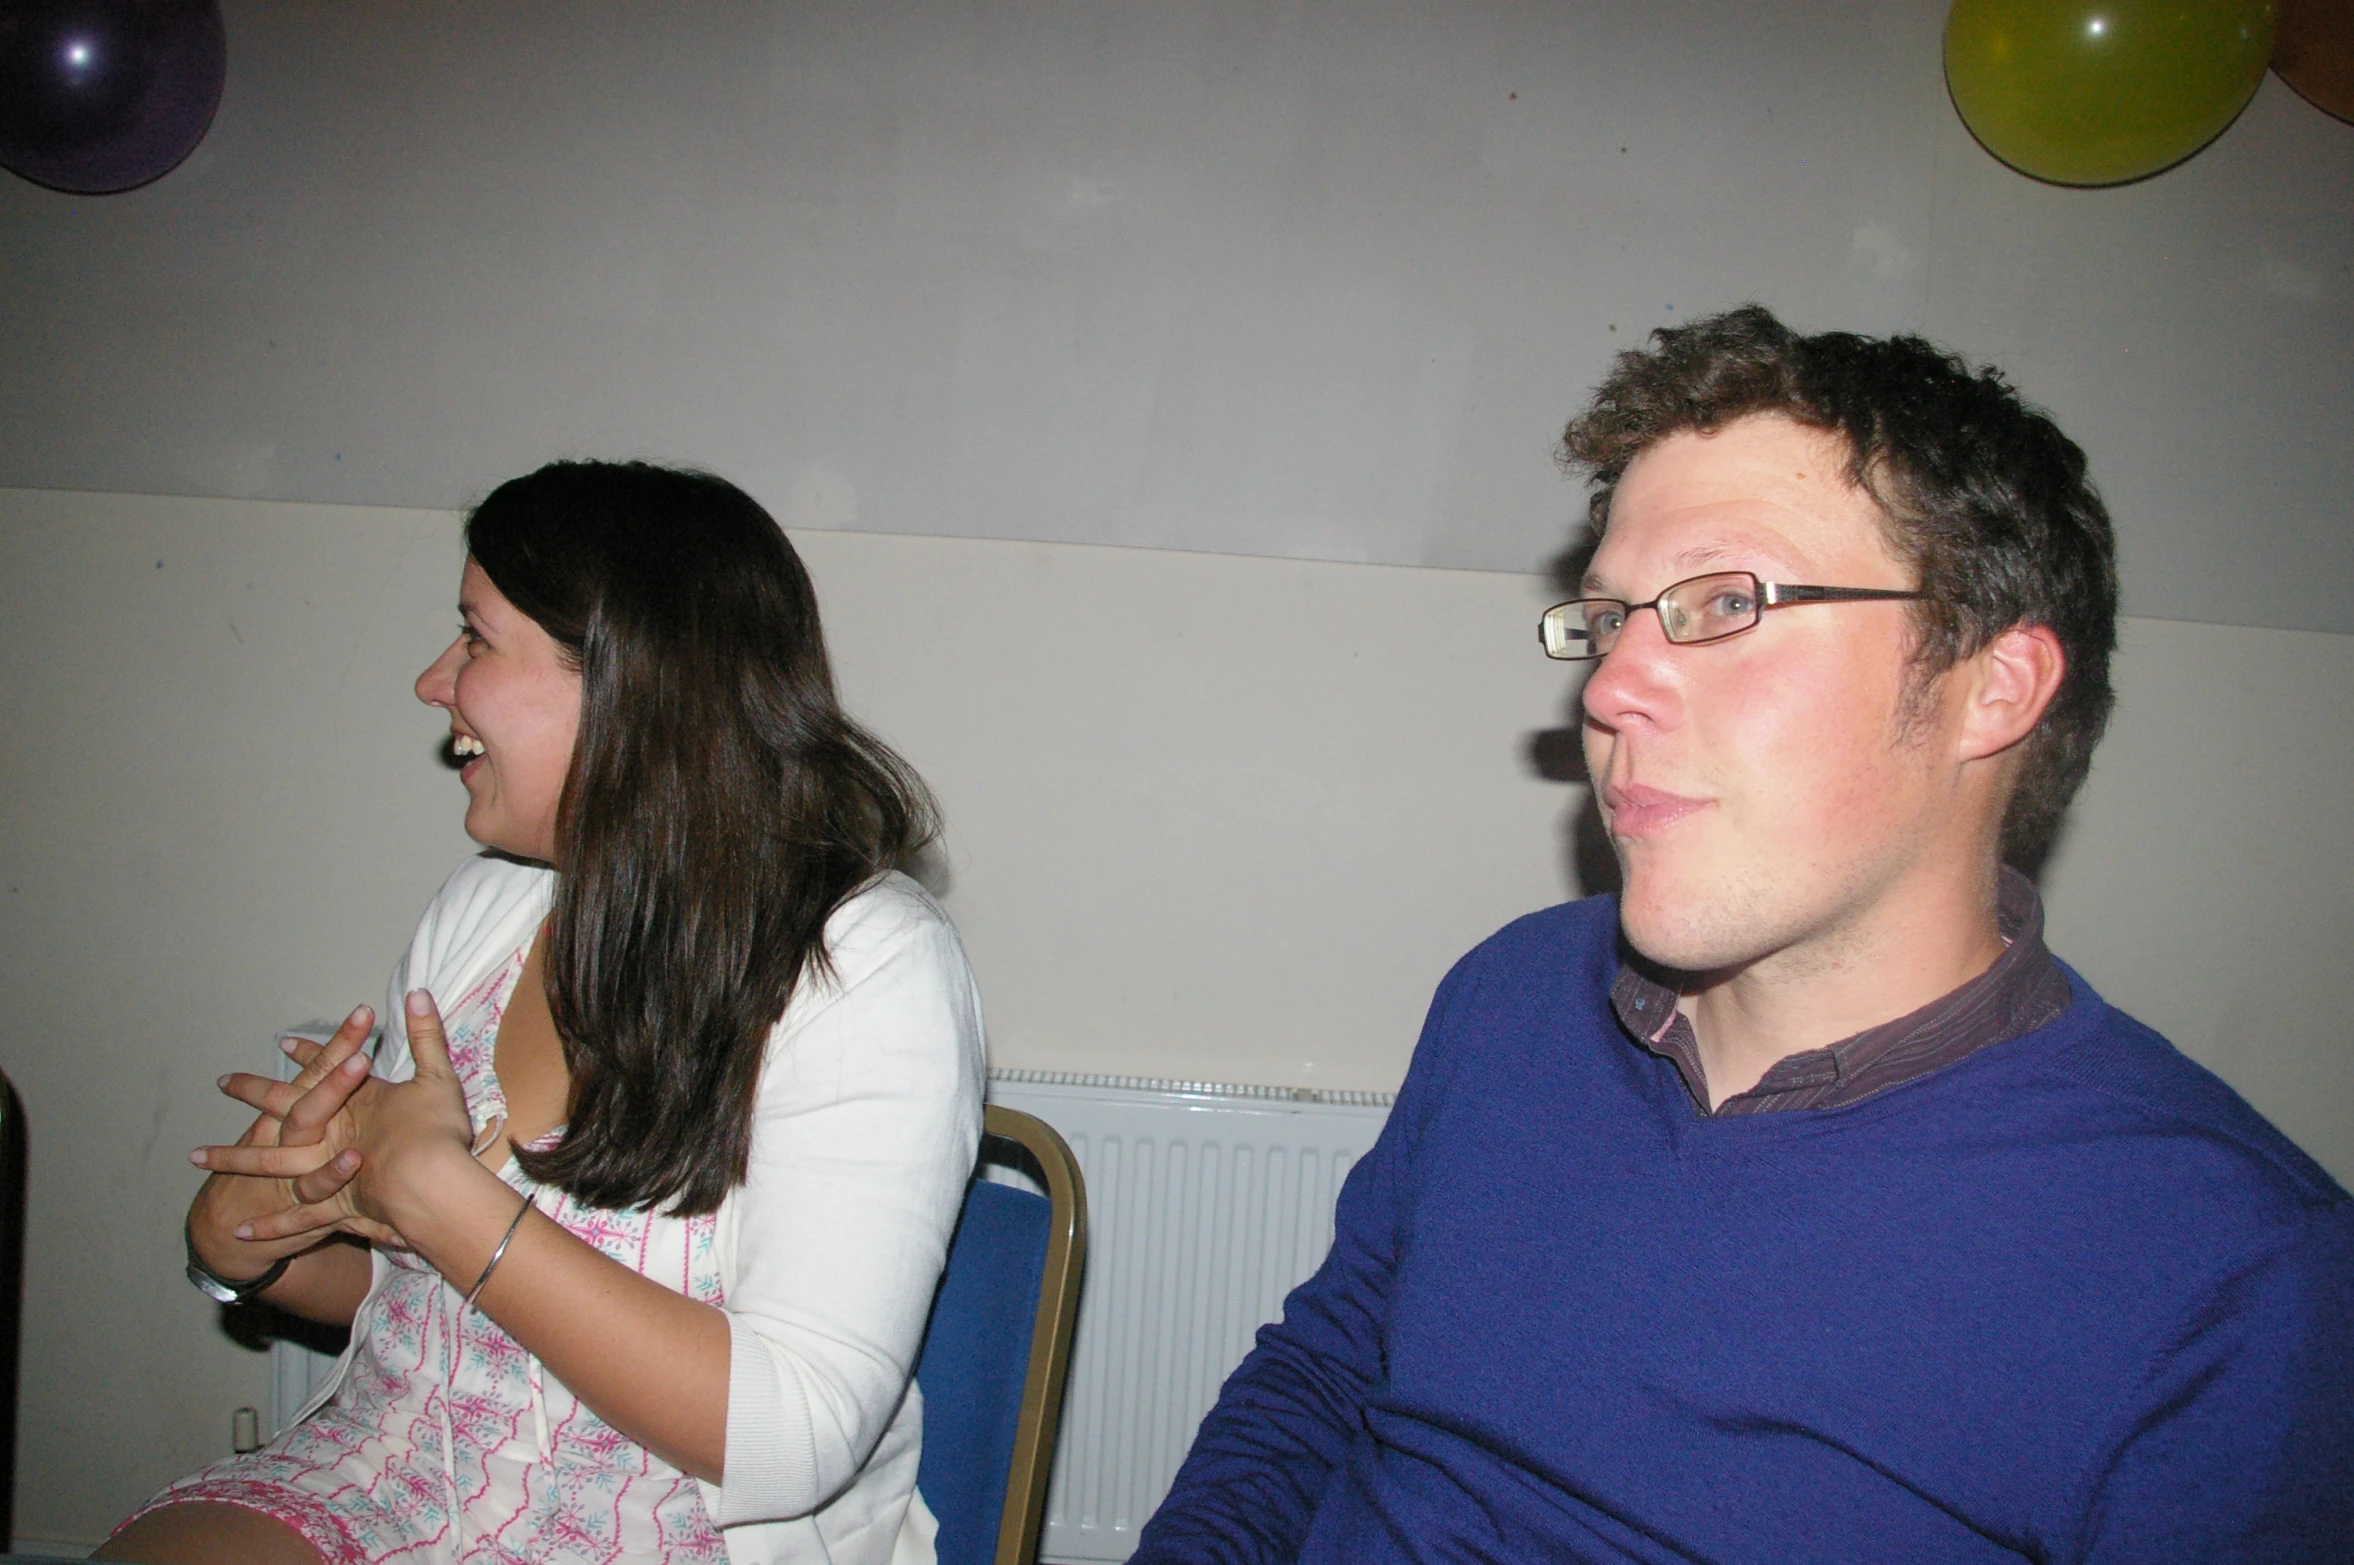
(1762, 493)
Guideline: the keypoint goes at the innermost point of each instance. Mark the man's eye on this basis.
(1606, 622)
(1732, 605)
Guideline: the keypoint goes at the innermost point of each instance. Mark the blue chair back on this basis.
(995, 1353)
(975, 1358)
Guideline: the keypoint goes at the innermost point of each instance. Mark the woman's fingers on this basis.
(327, 1077)
(317, 1062)
(310, 1113)
(258, 1161)
(427, 1046)
(374, 1232)
(275, 1098)
(303, 1113)
(332, 1215)
(321, 1183)
(316, 1059)
(290, 1221)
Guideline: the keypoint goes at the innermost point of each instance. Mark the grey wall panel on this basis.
(1229, 275)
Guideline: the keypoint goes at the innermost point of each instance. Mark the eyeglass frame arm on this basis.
(1774, 594)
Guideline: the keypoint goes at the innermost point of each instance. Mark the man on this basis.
(1796, 1204)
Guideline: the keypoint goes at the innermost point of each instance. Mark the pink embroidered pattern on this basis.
(525, 1473)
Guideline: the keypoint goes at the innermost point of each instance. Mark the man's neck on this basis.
(1838, 984)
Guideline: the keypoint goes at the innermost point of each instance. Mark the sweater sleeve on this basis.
(1285, 1420)
(864, 1137)
(2240, 1443)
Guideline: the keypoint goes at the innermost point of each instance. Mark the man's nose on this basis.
(1631, 682)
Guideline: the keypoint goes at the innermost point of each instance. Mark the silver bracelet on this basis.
(496, 1255)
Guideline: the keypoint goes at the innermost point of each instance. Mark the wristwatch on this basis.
(221, 1288)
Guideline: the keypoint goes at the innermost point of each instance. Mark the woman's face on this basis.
(514, 706)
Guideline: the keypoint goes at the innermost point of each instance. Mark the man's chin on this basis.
(1659, 922)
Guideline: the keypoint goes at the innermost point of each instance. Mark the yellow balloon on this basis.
(2097, 92)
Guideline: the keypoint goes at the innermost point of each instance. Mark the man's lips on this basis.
(1636, 811)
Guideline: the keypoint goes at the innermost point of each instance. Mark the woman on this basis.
(637, 1219)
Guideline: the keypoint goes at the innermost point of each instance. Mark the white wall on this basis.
(1279, 277)
(1208, 816)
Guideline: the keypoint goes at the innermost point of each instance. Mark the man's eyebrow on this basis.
(1706, 556)
(1755, 555)
(1698, 560)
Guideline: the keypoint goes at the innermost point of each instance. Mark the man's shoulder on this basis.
(2174, 1111)
(1569, 940)
(1527, 999)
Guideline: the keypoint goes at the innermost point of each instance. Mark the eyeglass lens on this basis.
(1704, 608)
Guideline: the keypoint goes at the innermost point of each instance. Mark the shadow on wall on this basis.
(1588, 863)
(1558, 755)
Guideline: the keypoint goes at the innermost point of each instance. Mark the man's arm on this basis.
(2242, 1446)
(1285, 1419)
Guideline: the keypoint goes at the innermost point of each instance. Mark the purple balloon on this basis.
(104, 95)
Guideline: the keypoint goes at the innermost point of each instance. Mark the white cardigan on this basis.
(864, 1134)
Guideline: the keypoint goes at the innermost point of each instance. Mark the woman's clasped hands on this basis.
(337, 1149)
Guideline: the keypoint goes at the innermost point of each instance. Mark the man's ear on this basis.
(2011, 680)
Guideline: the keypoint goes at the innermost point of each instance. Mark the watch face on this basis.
(212, 1287)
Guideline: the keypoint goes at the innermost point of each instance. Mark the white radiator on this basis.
(1206, 1204)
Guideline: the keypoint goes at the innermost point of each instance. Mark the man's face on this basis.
(1767, 796)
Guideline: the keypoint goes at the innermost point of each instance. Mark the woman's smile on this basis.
(513, 698)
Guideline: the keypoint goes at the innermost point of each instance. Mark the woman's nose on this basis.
(438, 685)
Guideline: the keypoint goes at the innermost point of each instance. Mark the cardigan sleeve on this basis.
(864, 1136)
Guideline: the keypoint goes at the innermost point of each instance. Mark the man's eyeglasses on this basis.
(1705, 608)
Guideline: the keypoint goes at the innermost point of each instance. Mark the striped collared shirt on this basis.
(2022, 990)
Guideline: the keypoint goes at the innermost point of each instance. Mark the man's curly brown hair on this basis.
(1983, 497)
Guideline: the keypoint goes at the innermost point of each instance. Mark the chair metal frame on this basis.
(1045, 1156)
(13, 1148)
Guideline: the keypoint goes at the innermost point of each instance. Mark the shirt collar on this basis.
(2022, 991)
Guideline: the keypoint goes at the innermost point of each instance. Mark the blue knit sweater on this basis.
(2069, 1299)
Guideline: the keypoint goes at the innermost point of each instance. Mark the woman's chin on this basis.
(502, 837)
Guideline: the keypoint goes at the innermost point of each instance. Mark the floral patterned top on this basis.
(446, 1441)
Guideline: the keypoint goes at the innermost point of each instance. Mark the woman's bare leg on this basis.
(201, 1533)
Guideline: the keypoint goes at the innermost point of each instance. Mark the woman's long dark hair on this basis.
(720, 806)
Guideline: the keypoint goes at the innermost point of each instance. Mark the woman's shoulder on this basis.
(487, 900)
(889, 949)
(882, 919)
(895, 1002)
